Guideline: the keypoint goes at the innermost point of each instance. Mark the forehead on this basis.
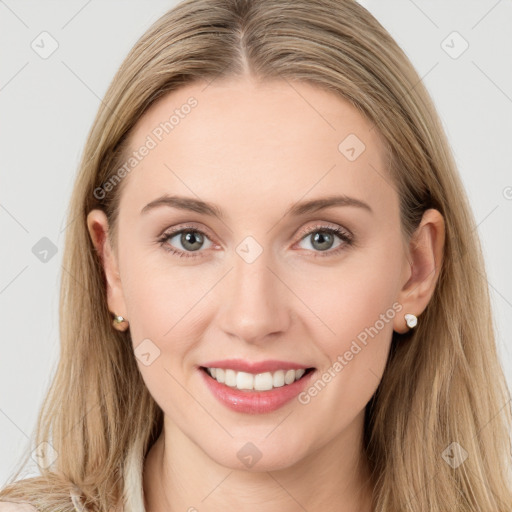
(239, 139)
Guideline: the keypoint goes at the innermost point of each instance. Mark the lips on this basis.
(253, 401)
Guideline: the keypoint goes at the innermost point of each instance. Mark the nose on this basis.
(255, 303)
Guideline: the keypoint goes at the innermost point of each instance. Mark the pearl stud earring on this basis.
(412, 320)
(120, 323)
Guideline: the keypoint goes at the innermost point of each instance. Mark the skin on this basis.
(254, 149)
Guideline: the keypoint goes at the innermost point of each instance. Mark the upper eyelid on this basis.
(171, 232)
(323, 225)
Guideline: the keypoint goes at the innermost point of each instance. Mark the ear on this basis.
(425, 257)
(97, 225)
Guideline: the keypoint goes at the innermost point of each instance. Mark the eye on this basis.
(323, 237)
(190, 239)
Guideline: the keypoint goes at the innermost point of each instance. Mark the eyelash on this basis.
(344, 235)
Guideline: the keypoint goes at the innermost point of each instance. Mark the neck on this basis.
(179, 476)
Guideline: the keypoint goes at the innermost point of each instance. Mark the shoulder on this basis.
(7, 506)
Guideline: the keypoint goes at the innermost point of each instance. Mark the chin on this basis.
(256, 456)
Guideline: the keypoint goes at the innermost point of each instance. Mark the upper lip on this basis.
(270, 365)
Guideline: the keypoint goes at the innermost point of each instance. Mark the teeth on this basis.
(263, 381)
(259, 382)
(230, 379)
(289, 377)
(278, 379)
(244, 380)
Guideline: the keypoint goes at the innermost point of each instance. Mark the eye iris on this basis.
(321, 237)
(190, 238)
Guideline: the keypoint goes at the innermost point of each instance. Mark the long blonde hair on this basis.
(443, 382)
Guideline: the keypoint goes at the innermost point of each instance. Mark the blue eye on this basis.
(319, 238)
(192, 240)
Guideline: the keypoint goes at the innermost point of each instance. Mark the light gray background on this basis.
(47, 107)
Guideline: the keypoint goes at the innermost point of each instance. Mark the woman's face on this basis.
(259, 278)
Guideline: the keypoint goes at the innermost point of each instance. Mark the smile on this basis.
(255, 393)
(256, 382)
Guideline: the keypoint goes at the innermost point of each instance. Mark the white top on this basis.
(133, 491)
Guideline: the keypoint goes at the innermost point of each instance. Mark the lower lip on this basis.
(255, 402)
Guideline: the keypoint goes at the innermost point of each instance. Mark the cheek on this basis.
(353, 298)
(364, 301)
(163, 302)
(356, 310)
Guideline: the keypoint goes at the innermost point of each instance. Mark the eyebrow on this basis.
(302, 208)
